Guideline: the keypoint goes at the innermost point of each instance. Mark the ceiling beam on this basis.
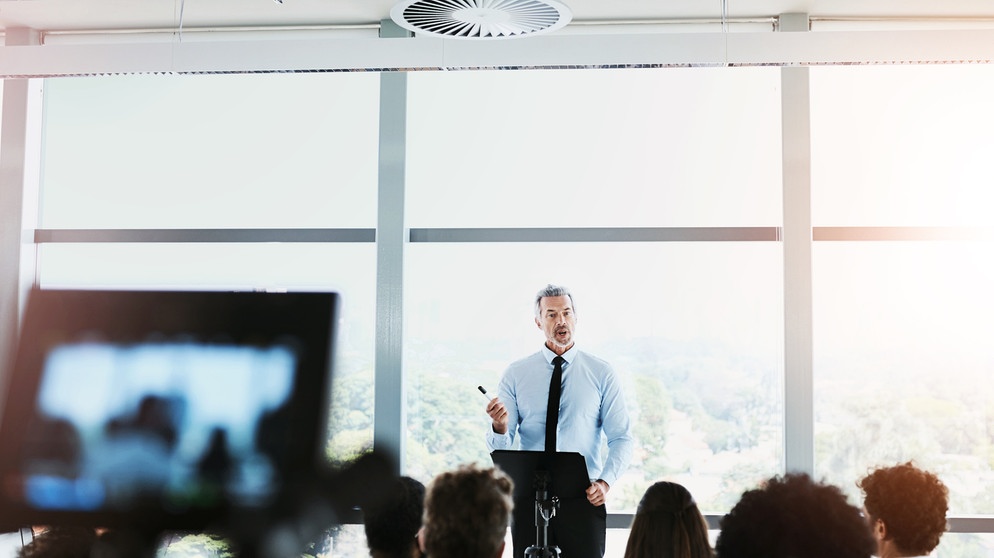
(551, 51)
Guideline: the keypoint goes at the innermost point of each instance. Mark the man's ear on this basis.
(538, 324)
(880, 529)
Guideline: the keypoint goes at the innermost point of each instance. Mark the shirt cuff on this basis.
(608, 478)
(498, 441)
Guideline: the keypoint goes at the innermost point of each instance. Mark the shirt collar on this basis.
(568, 356)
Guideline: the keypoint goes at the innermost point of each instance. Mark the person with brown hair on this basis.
(467, 513)
(906, 509)
(668, 524)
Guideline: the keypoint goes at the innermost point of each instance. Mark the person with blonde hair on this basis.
(668, 524)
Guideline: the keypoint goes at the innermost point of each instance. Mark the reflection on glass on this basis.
(348, 269)
(693, 329)
(902, 363)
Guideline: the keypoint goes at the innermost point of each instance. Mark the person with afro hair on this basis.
(792, 516)
(906, 509)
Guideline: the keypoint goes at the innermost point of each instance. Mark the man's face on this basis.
(556, 319)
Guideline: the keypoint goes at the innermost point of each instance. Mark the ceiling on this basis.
(130, 15)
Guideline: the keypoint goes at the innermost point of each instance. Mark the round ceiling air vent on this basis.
(481, 19)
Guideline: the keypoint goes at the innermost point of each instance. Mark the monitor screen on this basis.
(175, 407)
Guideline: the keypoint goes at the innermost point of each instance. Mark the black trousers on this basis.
(578, 528)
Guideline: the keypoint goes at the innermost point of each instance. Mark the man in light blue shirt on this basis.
(591, 407)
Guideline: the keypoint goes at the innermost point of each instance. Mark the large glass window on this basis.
(902, 145)
(902, 363)
(902, 347)
(693, 328)
(211, 151)
(348, 269)
(686, 147)
(694, 331)
(254, 151)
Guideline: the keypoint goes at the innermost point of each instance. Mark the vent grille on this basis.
(481, 19)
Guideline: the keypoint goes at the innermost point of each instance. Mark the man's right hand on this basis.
(498, 414)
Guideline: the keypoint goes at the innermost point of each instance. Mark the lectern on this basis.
(542, 479)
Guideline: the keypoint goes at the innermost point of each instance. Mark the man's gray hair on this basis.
(552, 290)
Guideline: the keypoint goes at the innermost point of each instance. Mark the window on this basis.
(648, 162)
(693, 328)
(201, 153)
(901, 145)
(612, 148)
(902, 274)
(902, 358)
(212, 151)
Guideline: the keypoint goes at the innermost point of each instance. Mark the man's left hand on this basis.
(597, 492)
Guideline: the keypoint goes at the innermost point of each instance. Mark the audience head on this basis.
(906, 509)
(467, 512)
(668, 524)
(392, 525)
(793, 516)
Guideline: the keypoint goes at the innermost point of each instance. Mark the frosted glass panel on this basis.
(641, 148)
(228, 151)
(902, 145)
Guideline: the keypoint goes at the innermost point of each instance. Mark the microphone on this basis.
(484, 392)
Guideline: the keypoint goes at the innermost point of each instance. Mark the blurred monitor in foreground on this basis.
(163, 410)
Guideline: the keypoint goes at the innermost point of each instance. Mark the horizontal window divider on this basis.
(45, 236)
(597, 234)
(902, 233)
(971, 524)
(958, 524)
(620, 520)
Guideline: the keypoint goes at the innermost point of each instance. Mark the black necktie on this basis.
(552, 412)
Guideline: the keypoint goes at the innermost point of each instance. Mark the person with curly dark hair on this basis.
(467, 513)
(906, 509)
(668, 524)
(792, 516)
(392, 525)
